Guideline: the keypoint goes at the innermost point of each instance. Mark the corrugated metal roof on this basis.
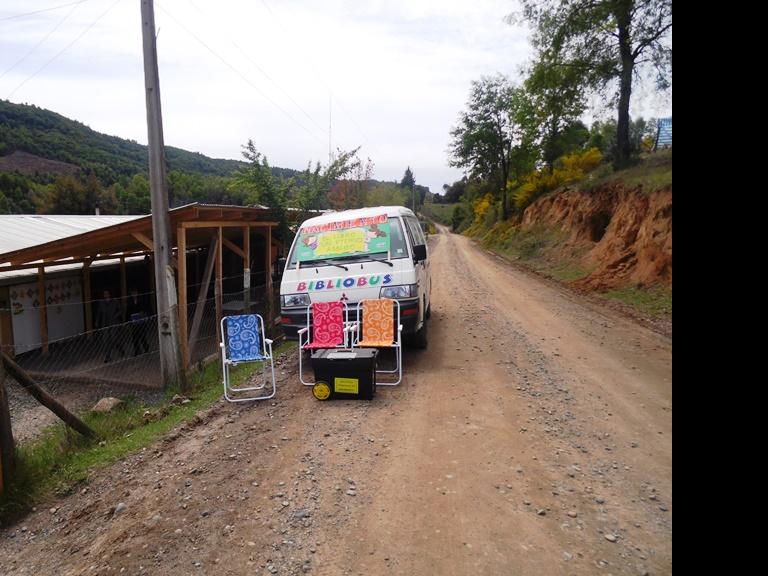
(30, 274)
(19, 231)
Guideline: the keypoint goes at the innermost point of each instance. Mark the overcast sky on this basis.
(390, 76)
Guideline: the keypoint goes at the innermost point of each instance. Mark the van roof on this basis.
(358, 213)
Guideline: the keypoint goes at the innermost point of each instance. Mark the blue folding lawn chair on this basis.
(243, 340)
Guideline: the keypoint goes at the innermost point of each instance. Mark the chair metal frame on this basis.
(305, 334)
(357, 329)
(230, 393)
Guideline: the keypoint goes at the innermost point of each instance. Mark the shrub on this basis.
(569, 169)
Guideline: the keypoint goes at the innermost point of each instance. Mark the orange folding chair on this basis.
(380, 328)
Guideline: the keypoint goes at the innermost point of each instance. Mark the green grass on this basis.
(442, 213)
(61, 458)
(653, 172)
(655, 300)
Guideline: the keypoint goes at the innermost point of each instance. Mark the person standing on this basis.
(137, 313)
(108, 314)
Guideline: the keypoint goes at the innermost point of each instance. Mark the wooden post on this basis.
(87, 297)
(181, 240)
(6, 433)
(246, 270)
(202, 295)
(123, 288)
(45, 398)
(268, 271)
(42, 308)
(218, 286)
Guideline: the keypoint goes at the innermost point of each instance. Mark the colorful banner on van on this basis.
(344, 238)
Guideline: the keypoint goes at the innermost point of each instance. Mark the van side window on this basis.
(414, 231)
(397, 241)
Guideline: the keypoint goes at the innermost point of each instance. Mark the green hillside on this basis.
(51, 136)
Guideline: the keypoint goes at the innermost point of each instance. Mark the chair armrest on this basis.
(400, 328)
(268, 341)
(302, 331)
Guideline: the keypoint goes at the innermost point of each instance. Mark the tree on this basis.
(344, 192)
(606, 43)
(555, 101)
(488, 141)
(261, 187)
(407, 183)
(455, 191)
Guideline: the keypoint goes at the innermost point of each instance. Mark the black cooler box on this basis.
(349, 373)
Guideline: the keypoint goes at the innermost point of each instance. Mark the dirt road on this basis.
(534, 436)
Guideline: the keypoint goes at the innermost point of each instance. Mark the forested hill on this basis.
(51, 136)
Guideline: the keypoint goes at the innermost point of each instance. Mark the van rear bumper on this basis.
(294, 319)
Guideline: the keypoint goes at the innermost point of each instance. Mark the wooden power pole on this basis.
(171, 368)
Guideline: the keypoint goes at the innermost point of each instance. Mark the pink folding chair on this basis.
(327, 326)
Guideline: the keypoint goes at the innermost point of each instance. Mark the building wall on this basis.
(64, 300)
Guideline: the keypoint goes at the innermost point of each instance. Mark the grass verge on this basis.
(655, 301)
(61, 458)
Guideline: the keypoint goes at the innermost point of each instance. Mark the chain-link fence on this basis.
(118, 358)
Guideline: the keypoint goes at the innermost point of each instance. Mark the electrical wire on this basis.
(264, 73)
(239, 73)
(317, 75)
(60, 52)
(25, 14)
(42, 41)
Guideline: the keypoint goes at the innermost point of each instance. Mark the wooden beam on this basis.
(246, 270)
(268, 269)
(45, 398)
(146, 241)
(224, 224)
(234, 247)
(42, 308)
(181, 240)
(202, 295)
(123, 288)
(218, 286)
(80, 260)
(87, 296)
(7, 451)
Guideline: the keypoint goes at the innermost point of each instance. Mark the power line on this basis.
(317, 75)
(60, 52)
(36, 46)
(240, 74)
(24, 15)
(265, 74)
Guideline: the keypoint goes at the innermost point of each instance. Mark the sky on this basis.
(388, 76)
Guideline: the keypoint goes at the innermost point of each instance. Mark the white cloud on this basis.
(399, 71)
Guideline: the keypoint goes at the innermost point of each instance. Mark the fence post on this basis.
(6, 433)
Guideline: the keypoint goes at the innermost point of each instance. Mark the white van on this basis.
(356, 255)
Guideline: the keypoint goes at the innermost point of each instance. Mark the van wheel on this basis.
(428, 315)
(419, 339)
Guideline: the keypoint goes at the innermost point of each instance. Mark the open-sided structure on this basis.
(223, 243)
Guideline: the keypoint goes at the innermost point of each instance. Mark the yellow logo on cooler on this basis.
(346, 385)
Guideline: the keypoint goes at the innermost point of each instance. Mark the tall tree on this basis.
(261, 187)
(607, 43)
(407, 183)
(555, 99)
(488, 137)
(328, 183)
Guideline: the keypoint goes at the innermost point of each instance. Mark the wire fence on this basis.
(118, 360)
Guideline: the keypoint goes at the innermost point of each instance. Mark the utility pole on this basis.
(330, 126)
(171, 369)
